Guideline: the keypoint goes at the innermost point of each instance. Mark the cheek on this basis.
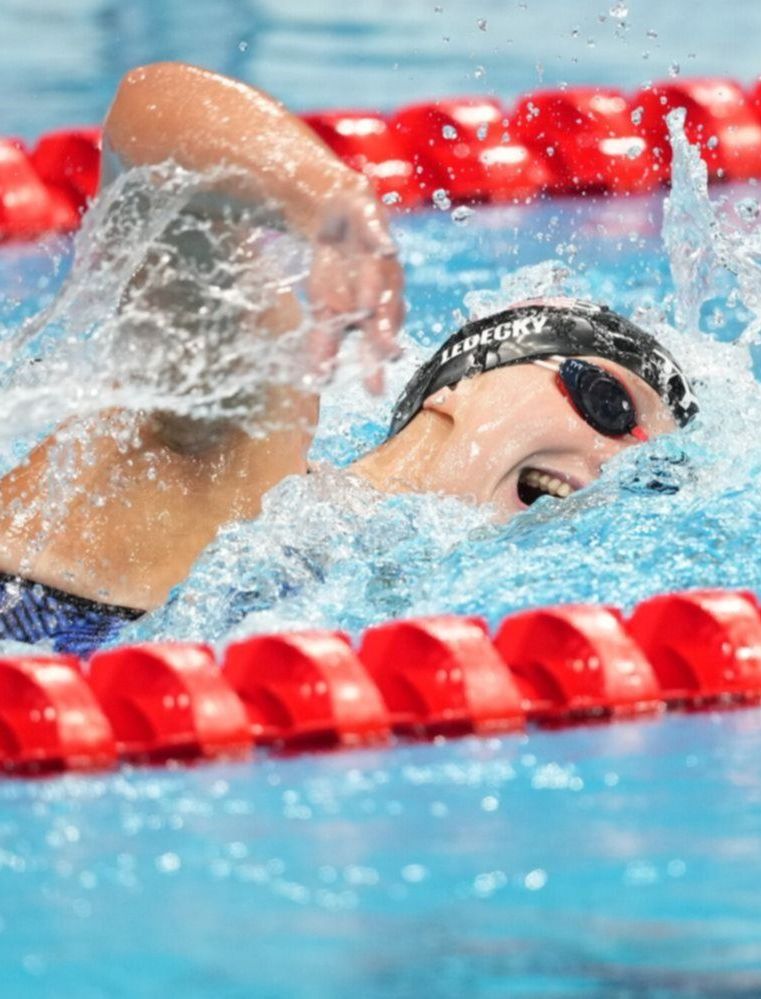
(546, 417)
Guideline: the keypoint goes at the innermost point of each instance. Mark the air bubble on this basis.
(619, 10)
(449, 132)
(391, 198)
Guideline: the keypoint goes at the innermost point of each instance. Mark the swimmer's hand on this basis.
(202, 120)
(356, 282)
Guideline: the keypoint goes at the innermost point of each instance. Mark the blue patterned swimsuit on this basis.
(31, 612)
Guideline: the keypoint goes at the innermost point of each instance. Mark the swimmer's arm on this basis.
(201, 120)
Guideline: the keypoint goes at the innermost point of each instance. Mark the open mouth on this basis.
(533, 483)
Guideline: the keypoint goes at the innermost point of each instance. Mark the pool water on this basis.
(617, 860)
(611, 860)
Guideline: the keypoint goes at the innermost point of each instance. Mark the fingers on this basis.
(331, 294)
(381, 295)
(356, 281)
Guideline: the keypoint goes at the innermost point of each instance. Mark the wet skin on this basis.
(474, 440)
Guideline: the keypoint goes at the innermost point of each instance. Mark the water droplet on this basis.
(748, 209)
(619, 10)
(440, 198)
(391, 198)
(674, 69)
(438, 10)
(676, 868)
(481, 132)
(716, 319)
(414, 873)
(636, 115)
(651, 33)
(462, 215)
(479, 72)
(481, 22)
(243, 46)
(535, 879)
(449, 132)
(712, 142)
(168, 863)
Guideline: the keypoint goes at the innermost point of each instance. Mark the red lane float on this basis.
(306, 687)
(703, 645)
(366, 142)
(419, 677)
(69, 160)
(576, 661)
(441, 674)
(28, 207)
(588, 136)
(168, 700)
(461, 146)
(574, 141)
(721, 119)
(49, 718)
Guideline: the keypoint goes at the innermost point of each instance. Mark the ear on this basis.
(442, 401)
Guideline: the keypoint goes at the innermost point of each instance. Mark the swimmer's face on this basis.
(508, 436)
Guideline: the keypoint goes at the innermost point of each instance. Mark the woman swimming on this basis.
(533, 400)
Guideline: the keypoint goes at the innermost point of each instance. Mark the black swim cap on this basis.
(541, 328)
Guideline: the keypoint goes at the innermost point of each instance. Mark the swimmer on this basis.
(533, 400)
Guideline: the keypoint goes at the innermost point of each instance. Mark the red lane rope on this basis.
(575, 141)
(417, 678)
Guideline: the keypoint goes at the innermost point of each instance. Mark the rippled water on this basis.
(618, 860)
(612, 861)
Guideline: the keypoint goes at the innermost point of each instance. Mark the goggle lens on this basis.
(599, 398)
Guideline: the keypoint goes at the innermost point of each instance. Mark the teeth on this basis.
(547, 483)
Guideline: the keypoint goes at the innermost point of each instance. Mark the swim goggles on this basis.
(600, 399)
